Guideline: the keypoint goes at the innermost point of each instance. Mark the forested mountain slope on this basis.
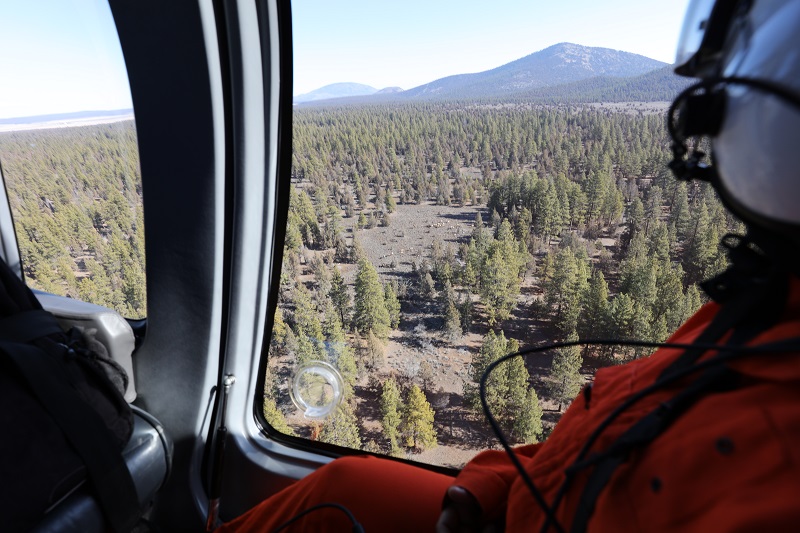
(661, 85)
(556, 65)
(336, 90)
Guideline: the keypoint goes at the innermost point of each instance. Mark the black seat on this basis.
(148, 455)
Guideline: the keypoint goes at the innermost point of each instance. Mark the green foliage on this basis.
(392, 304)
(303, 216)
(417, 425)
(565, 288)
(346, 364)
(391, 409)
(702, 244)
(370, 304)
(274, 417)
(566, 372)
(500, 269)
(76, 197)
(506, 388)
(594, 318)
(528, 421)
(340, 296)
(452, 321)
(375, 352)
(341, 428)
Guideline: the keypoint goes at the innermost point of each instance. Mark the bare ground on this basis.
(393, 250)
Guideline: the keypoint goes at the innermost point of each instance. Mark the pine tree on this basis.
(418, 416)
(307, 349)
(623, 319)
(306, 317)
(335, 341)
(528, 422)
(564, 289)
(341, 428)
(700, 247)
(465, 309)
(566, 372)
(635, 217)
(279, 329)
(375, 351)
(346, 364)
(391, 408)
(370, 306)
(679, 214)
(658, 243)
(426, 375)
(479, 236)
(452, 322)
(274, 417)
(500, 275)
(516, 389)
(594, 317)
(426, 284)
(392, 304)
(340, 297)
(494, 346)
(669, 301)
(546, 209)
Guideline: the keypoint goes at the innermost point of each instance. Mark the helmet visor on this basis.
(694, 29)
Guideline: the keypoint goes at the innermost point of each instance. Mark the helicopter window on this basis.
(434, 229)
(69, 153)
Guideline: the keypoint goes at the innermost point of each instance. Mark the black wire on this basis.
(549, 511)
(356, 526)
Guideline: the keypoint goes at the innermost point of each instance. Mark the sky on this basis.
(61, 56)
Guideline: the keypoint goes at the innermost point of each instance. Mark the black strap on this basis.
(84, 430)
(748, 313)
(640, 434)
(27, 326)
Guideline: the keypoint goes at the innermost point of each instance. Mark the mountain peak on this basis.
(558, 64)
(336, 90)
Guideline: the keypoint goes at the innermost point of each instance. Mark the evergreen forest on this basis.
(76, 197)
(424, 241)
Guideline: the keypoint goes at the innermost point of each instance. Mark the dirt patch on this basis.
(394, 250)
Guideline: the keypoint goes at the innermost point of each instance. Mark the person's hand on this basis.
(462, 514)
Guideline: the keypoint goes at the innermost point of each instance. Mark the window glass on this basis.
(434, 229)
(69, 153)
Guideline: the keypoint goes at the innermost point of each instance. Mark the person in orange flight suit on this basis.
(731, 463)
(688, 439)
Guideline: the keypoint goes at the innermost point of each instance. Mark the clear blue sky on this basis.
(407, 43)
(63, 55)
(59, 56)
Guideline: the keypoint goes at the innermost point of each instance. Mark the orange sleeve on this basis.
(489, 475)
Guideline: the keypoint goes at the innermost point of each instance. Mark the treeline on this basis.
(419, 150)
(661, 85)
(76, 197)
(578, 201)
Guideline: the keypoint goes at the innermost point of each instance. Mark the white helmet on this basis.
(747, 54)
